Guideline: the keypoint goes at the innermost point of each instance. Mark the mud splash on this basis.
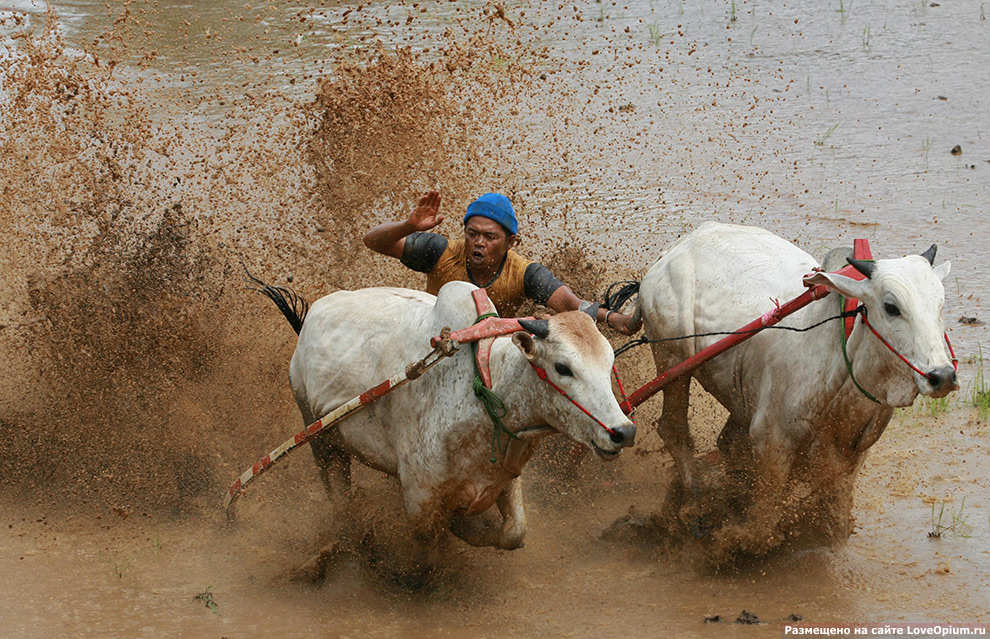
(123, 299)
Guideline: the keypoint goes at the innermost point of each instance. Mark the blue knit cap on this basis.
(495, 207)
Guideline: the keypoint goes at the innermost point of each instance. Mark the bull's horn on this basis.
(590, 309)
(863, 266)
(538, 327)
(930, 254)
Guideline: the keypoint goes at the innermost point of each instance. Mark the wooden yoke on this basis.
(483, 349)
(491, 327)
(861, 251)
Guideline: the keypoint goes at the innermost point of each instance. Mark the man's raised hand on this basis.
(427, 215)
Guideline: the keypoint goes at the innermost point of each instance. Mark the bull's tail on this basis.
(292, 305)
(621, 292)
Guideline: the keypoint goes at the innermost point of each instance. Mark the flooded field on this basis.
(147, 150)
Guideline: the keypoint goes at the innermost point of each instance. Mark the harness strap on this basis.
(861, 251)
(483, 347)
(861, 310)
(845, 355)
(542, 374)
(622, 392)
(851, 308)
(482, 383)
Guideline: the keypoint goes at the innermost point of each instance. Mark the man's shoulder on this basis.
(423, 250)
(518, 258)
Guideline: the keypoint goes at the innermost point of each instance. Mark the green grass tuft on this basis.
(934, 406)
(206, 598)
(980, 392)
(821, 141)
(953, 522)
(656, 35)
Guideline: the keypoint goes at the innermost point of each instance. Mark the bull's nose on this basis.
(623, 435)
(943, 380)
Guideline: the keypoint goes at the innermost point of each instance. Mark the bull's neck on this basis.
(854, 420)
(515, 381)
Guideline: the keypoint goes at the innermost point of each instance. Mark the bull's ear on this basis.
(526, 343)
(942, 270)
(846, 286)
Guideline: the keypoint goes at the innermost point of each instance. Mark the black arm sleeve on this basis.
(539, 283)
(422, 251)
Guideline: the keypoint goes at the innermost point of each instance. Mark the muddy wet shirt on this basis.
(446, 261)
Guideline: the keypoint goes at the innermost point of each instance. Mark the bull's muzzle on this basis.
(943, 381)
(624, 435)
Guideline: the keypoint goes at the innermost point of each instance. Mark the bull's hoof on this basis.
(315, 570)
(700, 514)
(701, 527)
(634, 527)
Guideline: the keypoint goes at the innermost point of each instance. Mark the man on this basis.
(484, 257)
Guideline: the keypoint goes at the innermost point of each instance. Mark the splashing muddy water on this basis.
(148, 149)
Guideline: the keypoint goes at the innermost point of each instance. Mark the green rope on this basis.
(494, 405)
(845, 355)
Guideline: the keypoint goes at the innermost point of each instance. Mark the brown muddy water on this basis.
(149, 148)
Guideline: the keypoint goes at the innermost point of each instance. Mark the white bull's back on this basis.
(353, 340)
(718, 279)
(721, 276)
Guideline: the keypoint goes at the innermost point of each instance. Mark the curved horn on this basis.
(538, 327)
(863, 266)
(930, 254)
(590, 309)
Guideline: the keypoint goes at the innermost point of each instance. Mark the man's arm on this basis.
(544, 288)
(564, 299)
(390, 238)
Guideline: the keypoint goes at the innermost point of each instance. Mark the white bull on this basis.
(791, 401)
(433, 433)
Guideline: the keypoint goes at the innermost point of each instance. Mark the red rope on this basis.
(952, 353)
(955, 362)
(622, 391)
(542, 374)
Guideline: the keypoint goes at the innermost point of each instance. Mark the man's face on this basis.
(486, 242)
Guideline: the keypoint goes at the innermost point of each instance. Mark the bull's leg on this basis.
(335, 471)
(673, 429)
(736, 447)
(695, 506)
(513, 510)
(769, 493)
(427, 519)
(736, 450)
(484, 530)
(775, 447)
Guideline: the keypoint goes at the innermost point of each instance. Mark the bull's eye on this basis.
(563, 370)
(891, 309)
